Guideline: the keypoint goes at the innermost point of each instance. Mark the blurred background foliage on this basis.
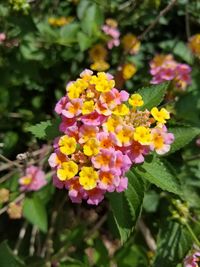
(47, 44)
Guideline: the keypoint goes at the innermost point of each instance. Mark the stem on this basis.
(161, 14)
(192, 234)
(147, 235)
(21, 237)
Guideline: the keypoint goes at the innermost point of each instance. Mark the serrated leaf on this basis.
(173, 243)
(153, 95)
(39, 130)
(34, 211)
(126, 206)
(7, 258)
(183, 135)
(156, 172)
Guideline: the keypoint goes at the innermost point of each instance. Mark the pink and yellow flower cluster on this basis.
(111, 30)
(166, 68)
(104, 133)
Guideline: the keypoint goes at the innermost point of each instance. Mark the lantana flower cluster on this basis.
(104, 134)
(166, 68)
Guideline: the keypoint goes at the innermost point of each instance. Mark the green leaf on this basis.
(84, 41)
(39, 130)
(52, 130)
(153, 95)
(92, 20)
(82, 8)
(126, 206)
(183, 135)
(7, 258)
(34, 211)
(173, 243)
(68, 34)
(157, 172)
(183, 52)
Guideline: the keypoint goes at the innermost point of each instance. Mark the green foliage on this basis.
(173, 244)
(157, 172)
(183, 135)
(153, 95)
(39, 130)
(7, 258)
(126, 206)
(35, 212)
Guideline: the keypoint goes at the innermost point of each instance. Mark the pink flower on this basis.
(136, 152)
(61, 104)
(2, 37)
(66, 124)
(104, 160)
(192, 260)
(123, 185)
(33, 180)
(93, 119)
(95, 196)
(161, 140)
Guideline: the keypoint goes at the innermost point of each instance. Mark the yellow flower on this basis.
(102, 83)
(131, 44)
(4, 195)
(74, 89)
(112, 23)
(15, 210)
(112, 123)
(194, 44)
(88, 178)
(160, 116)
(97, 53)
(125, 135)
(128, 71)
(100, 65)
(60, 21)
(136, 100)
(67, 170)
(88, 107)
(121, 110)
(142, 135)
(67, 144)
(91, 148)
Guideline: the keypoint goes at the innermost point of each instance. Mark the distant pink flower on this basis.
(33, 180)
(2, 37)
(113, 33)
(192, 260)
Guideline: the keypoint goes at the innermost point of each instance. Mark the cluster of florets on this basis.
(194, 44)
(111, 30)
(165, 68)
(33, 180)
(104, 134)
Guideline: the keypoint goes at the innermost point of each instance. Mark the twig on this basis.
(19, 198)
(32, 240)
(161, 14)
(47, 247)
(147, 235)
(10, 161)
(97, 225)
(21, 237)
(7, 176)
(187, 22)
